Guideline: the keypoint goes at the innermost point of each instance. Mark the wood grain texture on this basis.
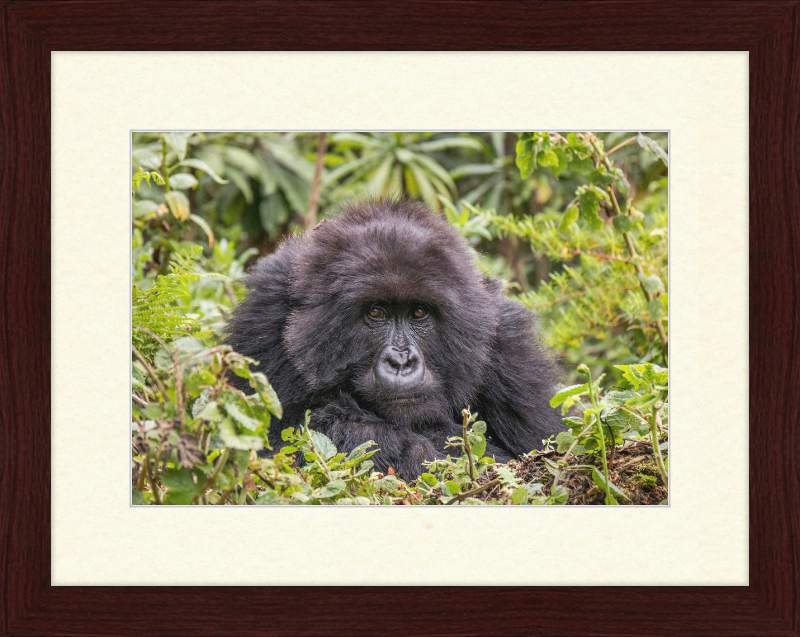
(31, 29)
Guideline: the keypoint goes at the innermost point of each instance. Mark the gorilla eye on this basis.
(377, 313)
(419, 313)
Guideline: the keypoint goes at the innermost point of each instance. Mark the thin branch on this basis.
(156, 337)
(139, 401)
(622, 145)
(468, 494)
(601, 255)
(313, 198)
(466, 445)
(583, 293)
(150, 371)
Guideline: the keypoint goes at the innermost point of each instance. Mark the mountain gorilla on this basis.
(380, 323)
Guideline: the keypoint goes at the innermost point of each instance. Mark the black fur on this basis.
(307, 320)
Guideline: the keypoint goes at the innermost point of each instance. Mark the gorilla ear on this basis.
(320, 346)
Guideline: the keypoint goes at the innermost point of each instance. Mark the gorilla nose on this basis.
(400, 367)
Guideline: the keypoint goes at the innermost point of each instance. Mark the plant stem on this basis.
(313, 198)
(466, 445)
(150, 371)
(622, 145)
(602, 439)
(152, 477)
(221, 463)
(319, 457)
(656, 450)
(467, 494)
(575, 442)
(164, 166)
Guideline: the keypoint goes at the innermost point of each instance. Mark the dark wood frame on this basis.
(31, 29)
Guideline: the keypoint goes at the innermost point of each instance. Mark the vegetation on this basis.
(576, 223)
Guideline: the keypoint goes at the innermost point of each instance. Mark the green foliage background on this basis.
(576, 223)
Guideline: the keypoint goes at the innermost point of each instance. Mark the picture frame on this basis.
(769, 30)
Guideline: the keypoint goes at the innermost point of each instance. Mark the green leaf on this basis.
(652, 283)
(652, 147)
(142, 207)
(201, 165)
(182, 486)
(546, 157)
(232, 439)
(242, 183)
(624, 186)
(581, 165)
(600, 480)
(146, 159)
(182, 181)
(572, 390)
(154, 411)
(361, 450)
(182, 349)
(258, 381)
(619, 419)
(564, 440)
(323, 444)
(601, 177)
(206, 228)
(559, 494)
(520, 495)
(561, 166)
(524, 157)
(579, 147)
(507, 476)
(379, 182)
(178, 143)
(478, 447)
(655, 309)
(623, 223)
(246, 421)
(449, 142)
(533, 488)
(590, 206)
(178, 204)
(479, 427)
(453, 486)
(388, 483)
(570, 217)
(429, 478)
(620, 397)
(332, 488)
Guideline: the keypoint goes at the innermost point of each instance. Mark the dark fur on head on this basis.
(442, 338)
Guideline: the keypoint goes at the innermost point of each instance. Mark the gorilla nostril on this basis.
(398, 359)
(399, 366)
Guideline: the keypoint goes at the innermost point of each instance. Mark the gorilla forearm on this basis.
(400, 448)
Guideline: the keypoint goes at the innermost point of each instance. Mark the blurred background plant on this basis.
(555, 214)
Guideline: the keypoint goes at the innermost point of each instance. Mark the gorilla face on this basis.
(398, 384)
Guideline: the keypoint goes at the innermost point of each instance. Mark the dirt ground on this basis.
(632, 468)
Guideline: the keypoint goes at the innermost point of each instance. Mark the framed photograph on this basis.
(78, 77)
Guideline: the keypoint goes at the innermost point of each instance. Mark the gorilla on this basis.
(381, 324)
